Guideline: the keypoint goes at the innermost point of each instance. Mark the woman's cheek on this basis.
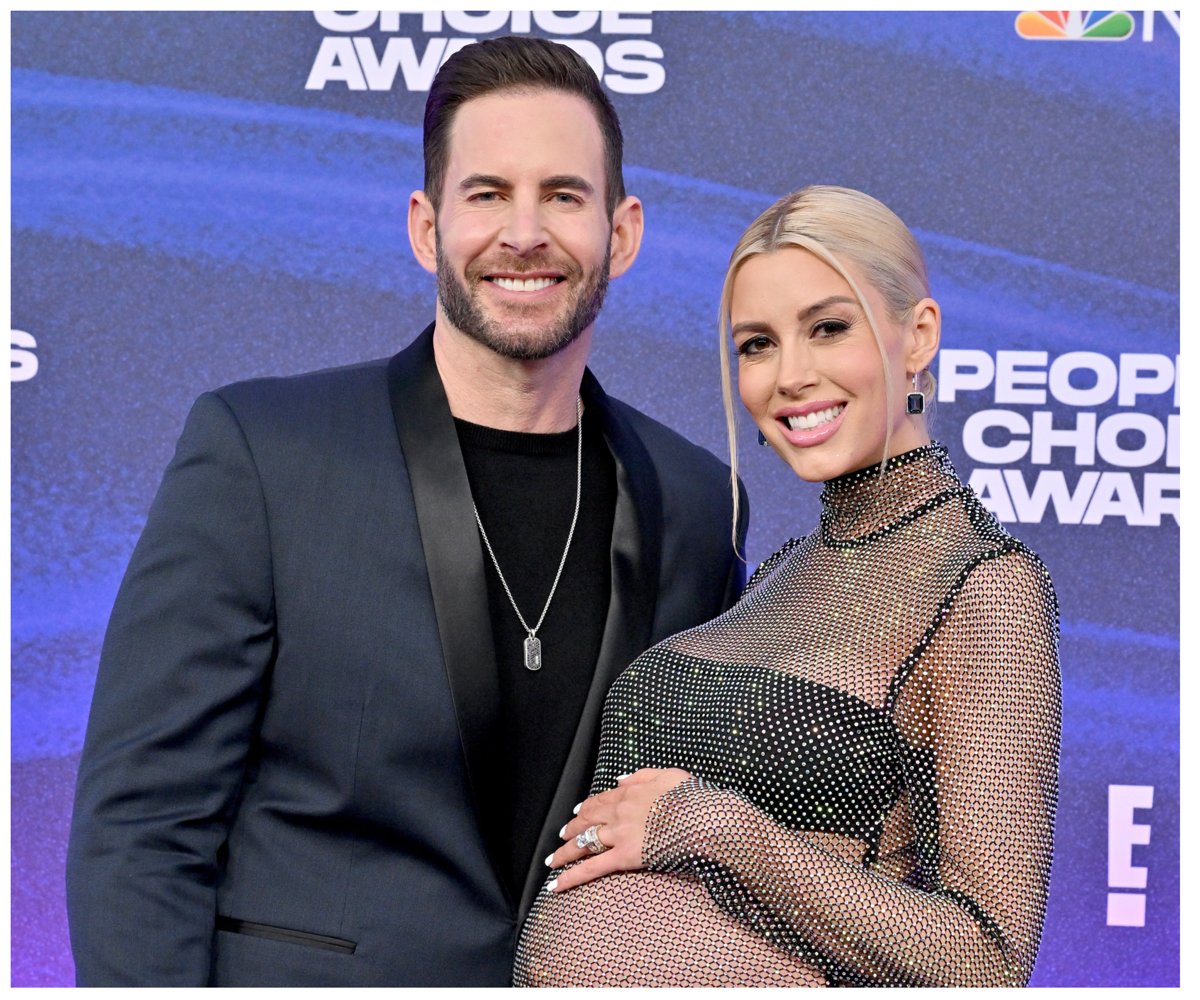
(755, 383)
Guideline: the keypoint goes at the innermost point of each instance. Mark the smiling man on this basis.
(530, 291)
(353, 676)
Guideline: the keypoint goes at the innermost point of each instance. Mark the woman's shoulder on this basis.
(1011, 573)
(1007, 556)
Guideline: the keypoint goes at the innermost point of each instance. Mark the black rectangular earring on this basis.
(916, 399)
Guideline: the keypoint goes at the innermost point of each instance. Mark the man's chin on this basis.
(532, 345)
(523, 332)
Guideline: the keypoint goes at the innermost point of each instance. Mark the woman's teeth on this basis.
(811, 420)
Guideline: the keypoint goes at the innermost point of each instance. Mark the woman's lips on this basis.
(807, 437)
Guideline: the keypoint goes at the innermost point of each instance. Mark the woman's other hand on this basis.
(620, 816)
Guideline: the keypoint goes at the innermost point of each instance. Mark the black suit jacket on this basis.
(296, 704)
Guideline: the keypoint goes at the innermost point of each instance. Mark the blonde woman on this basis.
(850, 777)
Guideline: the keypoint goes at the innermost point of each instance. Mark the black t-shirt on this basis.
(524, 488)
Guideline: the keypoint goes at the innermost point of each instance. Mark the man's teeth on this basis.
(525, 284)
(811, 420)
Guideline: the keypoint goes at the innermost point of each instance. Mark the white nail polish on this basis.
(551, 884)
(622, 777)
(563, 832)
(575, 811)
(549, 861)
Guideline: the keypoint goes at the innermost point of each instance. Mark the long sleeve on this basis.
(957, 893)
(178, 690)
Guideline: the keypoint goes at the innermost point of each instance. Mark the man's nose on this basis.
(524, 229)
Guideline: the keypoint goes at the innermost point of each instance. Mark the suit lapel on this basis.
(636, 557)
(453, 556)
(454, 562)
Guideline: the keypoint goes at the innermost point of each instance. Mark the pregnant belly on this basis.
(647, 929)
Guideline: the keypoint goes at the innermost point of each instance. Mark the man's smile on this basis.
(517, 283)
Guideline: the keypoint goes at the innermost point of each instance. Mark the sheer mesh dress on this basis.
(873, 734)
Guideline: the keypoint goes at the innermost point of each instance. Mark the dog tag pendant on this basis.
(533, 653)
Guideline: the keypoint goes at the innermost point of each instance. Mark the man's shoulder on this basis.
(693, 483)
(331, 405)
(668, 446)
(326, 385)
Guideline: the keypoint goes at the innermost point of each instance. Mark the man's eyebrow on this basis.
(571, 182)
(484, 180)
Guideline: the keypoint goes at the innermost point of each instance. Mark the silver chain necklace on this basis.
(533, 645)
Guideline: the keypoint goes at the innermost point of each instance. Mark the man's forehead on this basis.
(523, 124)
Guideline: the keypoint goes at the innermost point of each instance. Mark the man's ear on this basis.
(626, 240)
(422, 230)
(925, 334)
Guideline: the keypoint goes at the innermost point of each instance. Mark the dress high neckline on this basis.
(861, 503)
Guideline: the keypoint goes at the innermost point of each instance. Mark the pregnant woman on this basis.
(850, 777)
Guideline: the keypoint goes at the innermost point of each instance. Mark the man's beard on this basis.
(512, 339)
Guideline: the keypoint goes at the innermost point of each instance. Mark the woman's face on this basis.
(809, 368)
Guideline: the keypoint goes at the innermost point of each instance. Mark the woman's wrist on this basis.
(683, 825)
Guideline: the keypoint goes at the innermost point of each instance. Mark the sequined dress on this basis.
(873, 734)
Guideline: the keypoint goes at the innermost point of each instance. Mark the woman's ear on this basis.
(924, 335)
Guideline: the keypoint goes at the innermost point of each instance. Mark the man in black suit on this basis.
(351, 685)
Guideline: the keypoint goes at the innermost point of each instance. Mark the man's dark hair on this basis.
(515, 63)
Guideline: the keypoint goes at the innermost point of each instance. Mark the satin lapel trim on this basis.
(453, 557)
(636, 560)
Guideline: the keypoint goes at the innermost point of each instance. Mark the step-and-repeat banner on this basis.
(202, 198)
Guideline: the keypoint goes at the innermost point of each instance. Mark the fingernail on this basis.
(622, 777)
(549, 861)
(575, 811)
(563, 832)
(552, 884)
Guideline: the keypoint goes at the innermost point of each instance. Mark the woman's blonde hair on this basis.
(835, 224)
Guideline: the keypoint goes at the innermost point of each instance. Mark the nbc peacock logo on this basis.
(1075, 25)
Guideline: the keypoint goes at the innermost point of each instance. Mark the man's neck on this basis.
(486, 388)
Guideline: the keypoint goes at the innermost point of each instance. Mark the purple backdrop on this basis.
(200, 198)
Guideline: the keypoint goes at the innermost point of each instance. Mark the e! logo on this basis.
(1127, 909)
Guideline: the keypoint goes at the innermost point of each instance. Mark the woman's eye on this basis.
(830, 328)
(754, 345)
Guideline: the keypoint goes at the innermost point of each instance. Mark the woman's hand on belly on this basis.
(620, 816)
